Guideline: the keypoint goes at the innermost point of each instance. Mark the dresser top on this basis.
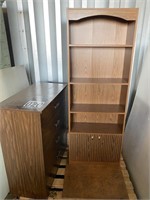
(33, 98)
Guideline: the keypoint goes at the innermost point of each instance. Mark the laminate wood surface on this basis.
(111, 81)
(98, 94)
(102, 45)
(88, 62)
(44, 92)
(114, 31)
(31, 137)
(129, 14)
(99, 65)
(106, 108)
(94, 147)
(103, 181)
(95, 117)
(96, 128)
(22, 149)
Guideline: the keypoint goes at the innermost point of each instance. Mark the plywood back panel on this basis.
(100, 62)
(98, 94)
(89, 31)
(98, 118)
(80, 32)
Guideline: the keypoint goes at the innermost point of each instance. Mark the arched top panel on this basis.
(127, 14)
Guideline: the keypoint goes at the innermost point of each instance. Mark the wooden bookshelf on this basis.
(101, 45)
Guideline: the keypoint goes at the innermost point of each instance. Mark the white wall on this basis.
(12, 80)
(137, 134)
(4, 188)
(4, 52)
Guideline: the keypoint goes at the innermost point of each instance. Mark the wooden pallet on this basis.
(57, 186)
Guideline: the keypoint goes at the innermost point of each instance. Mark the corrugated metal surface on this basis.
(38, 32)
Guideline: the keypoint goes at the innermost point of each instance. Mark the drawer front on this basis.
(94, 147)
(57, 103)
(52, 122)
(51, 139)
(53, 109)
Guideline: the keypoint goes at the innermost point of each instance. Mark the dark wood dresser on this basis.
(32, 127)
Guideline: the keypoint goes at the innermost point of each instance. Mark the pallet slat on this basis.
(58, 183)
(61, 171)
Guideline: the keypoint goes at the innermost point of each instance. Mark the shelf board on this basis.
(96, 128)
(102, 45)
(120, 81)
(105, 108)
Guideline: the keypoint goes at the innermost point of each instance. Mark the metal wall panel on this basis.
(43, 51)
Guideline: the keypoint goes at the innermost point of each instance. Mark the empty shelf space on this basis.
(102, 45)
(121, 81)
(96, 128)
(106, 108)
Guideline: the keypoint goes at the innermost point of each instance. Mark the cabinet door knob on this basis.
(92, 137)
(99, 137)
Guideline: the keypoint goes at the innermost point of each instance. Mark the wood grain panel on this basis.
(76, 31)
(128, 14)
(31, 138)
(96, 128)
(53, 128)
(98, 94)
(94, 148)
(98, 118)
(112, 81)
(81, 60)
(127, 63)
(22, 148)
(114, 31)
(97, 62)
(104, 108)
(95, 181)
(100, 68)
(41, 92)
(130, 33)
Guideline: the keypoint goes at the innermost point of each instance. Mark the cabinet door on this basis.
(107, 148)
(95, 147)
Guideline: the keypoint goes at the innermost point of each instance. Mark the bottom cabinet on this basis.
(94, 147)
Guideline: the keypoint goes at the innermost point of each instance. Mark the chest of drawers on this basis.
(32, 129)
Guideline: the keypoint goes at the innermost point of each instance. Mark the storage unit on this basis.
(101, 45)
(32, 130)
